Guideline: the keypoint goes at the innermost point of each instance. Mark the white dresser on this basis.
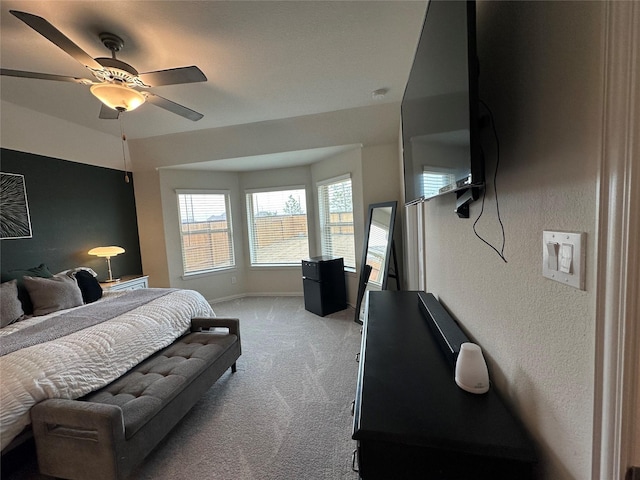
(127, 282)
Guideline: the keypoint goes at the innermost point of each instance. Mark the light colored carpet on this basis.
(285, 414)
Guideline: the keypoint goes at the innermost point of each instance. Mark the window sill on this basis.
(209, 273)
(267, 266)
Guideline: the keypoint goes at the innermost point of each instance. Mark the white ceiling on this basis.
(264, 60)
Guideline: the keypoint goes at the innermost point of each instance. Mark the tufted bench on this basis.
(107, 433)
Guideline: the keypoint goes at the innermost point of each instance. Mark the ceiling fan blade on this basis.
(107, 113)
(173, 76)
(173, 107)
(43, 76)
(54, 35)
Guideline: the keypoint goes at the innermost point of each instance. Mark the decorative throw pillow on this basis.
(89, 286)
(9, 303)
(52, 294)
(39, 271)
(72, 271)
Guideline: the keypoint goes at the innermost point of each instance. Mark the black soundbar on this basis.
(445, 329)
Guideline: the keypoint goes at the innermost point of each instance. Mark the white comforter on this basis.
(89, 359)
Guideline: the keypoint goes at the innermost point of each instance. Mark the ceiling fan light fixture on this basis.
(118, 97)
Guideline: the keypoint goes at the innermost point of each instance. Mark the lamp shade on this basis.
(110, 251)
(118, 97)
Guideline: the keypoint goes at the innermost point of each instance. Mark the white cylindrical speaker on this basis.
(471, 369)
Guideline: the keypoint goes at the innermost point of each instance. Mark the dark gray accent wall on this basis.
(74, 207)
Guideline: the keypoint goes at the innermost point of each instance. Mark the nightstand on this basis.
(127, 282)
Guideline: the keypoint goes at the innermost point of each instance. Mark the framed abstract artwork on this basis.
(15, 221)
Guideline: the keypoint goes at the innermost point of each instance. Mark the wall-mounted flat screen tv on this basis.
(441, 149)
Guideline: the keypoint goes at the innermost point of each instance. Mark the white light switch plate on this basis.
(569, 271)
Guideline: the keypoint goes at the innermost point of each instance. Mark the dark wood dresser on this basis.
(411, 420)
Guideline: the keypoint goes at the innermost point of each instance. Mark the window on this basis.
(205, 231)
(336, 219)
(277, 223)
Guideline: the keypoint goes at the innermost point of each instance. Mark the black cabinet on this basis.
(412, 421)
(323, 284)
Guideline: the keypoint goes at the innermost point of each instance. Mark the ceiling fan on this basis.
(119, 86)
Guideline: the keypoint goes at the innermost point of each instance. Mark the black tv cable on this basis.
(495, 189)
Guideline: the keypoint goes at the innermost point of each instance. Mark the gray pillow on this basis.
(19, 274)
(10, 303)
(52, 294)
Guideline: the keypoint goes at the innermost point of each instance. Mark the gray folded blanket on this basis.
(76, 320)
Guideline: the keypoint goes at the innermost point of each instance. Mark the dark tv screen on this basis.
(441, 150)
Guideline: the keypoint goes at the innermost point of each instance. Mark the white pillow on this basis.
(71, 271)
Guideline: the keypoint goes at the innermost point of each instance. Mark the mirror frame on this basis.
(365, 272)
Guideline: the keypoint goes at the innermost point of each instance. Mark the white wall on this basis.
(374, 168)
(277, 280)
(33, 132)
(382, 182)
(219, 284)
(375, 125)
(541, 73)
(160, 238)
(380, 174)
(151, 228)
(347, 162)
(366, 126)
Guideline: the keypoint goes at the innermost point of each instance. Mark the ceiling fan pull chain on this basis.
(124, 155)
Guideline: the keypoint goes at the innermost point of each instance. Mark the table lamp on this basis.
(107, 252)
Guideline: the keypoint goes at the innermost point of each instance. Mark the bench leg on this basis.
(233, 368)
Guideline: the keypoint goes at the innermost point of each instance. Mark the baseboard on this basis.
(225, 299)
(265, 294)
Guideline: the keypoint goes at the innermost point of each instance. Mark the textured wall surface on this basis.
(541, 74)
(73, 207)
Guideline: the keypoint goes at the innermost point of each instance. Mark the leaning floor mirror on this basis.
(378, 249)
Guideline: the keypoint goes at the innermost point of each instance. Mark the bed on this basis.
(81, 349)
